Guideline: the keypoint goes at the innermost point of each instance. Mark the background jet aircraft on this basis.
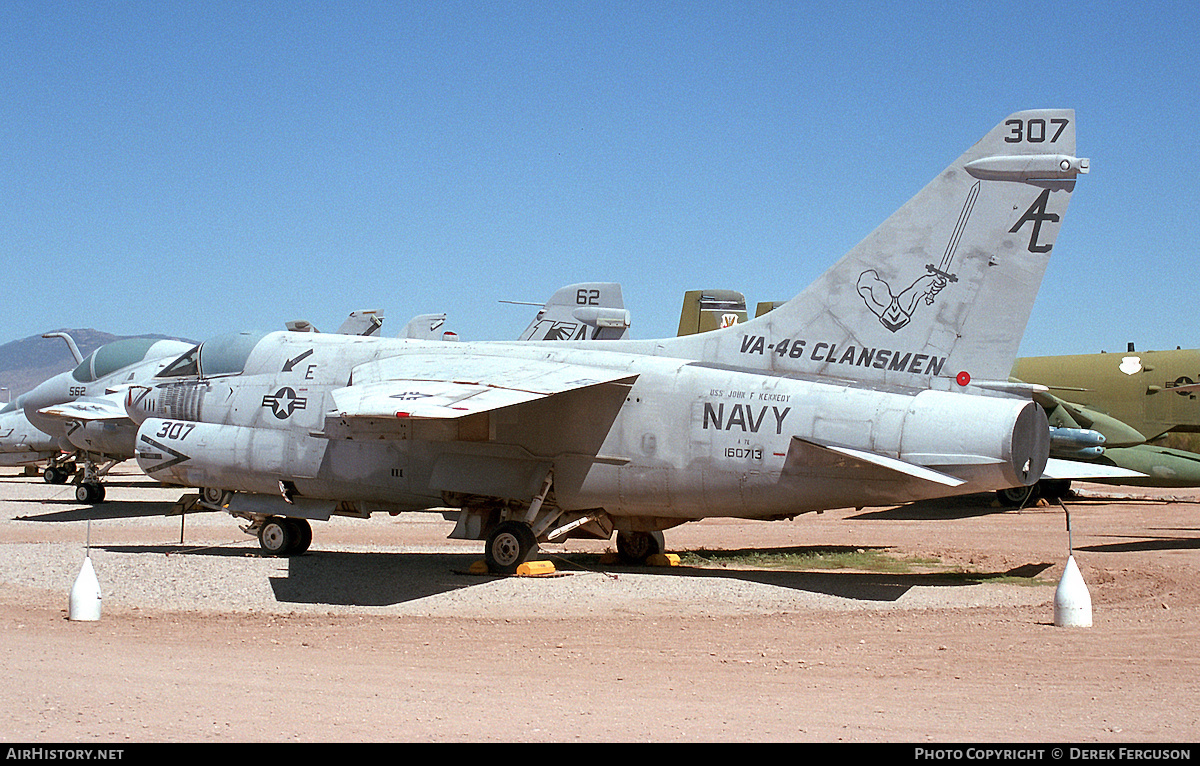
(428, 327)
(884, 381)
(587, 310)
(82, 412)
(705, 310)
(584, 311)
(365, 322)
(20, 442)
(1131, 400)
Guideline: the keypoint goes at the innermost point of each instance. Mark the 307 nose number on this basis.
(175, 430)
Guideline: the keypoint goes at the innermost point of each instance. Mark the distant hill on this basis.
(27, 362)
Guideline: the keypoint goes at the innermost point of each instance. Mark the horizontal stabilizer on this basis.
(868, 464)
(1074, 469)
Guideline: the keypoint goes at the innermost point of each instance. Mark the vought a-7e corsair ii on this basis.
(883, 382)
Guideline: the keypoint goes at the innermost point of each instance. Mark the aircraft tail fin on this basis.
(428, 327)
(706, 310)
(366, 322)
(584, 311)
(943, 288)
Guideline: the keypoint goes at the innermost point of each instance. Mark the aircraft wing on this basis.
(437, 386)
(87, 409)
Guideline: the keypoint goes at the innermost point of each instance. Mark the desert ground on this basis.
(381, 633)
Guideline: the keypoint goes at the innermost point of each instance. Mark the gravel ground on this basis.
(380, 633)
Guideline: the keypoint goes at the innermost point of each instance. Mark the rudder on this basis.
(944, 287)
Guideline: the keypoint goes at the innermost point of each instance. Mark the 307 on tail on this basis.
(883, 382)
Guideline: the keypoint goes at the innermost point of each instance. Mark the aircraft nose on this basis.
(138, 403)
(46, 394)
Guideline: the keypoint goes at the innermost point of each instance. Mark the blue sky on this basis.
(196, 168)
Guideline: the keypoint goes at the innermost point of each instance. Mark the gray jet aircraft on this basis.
(883, 382)
(79, 416)
(82, 410)
(20, 442)
(584, 311)
(358, 323)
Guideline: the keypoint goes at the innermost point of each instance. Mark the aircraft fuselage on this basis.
(684, 441)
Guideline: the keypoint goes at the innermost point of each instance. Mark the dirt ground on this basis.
(380, 633)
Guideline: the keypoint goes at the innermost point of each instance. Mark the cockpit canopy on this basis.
(119, 354)
(223, 355)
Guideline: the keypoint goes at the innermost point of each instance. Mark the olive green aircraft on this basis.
(705, 310)
(1133, 399)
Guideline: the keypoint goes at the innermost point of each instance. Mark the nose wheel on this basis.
(90, 492)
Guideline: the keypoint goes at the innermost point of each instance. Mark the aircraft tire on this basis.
(277, 536)
(637, 547)
(508, 546)
(57, 475)
(1018, 497)
(303, 535)
(1054, 489)
(213, 495)
(90, 493)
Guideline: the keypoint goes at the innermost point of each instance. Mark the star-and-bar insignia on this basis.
(284, 402)
(407, 396)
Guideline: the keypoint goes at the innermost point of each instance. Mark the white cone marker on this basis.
(1072, 602)
(85, 594)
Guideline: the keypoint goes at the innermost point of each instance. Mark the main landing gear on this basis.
(88, 488)
(512, 542)
(58, 473)
(284, 535)
(1052, 490)
(509, 545)
(636, 548)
